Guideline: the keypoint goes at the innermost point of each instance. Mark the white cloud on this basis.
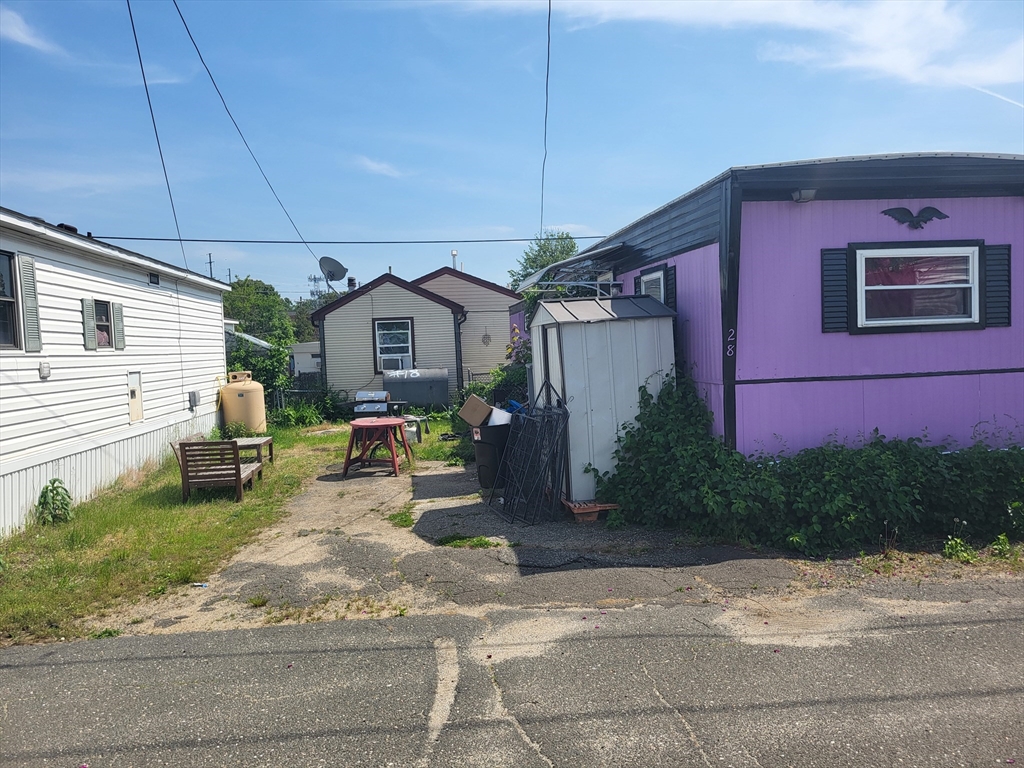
(13, 27)
(377, 167)
(918, 41)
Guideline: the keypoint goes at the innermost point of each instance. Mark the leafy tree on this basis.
(259, 310)
(546, 249)
(302, 309)
(269, 366)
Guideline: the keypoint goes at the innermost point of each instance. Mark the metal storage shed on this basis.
(596, 353)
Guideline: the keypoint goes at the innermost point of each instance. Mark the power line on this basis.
(547, 81)
(337, 242)
(159, 149)
(235, 123)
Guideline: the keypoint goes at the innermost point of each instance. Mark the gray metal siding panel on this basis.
(690, 222)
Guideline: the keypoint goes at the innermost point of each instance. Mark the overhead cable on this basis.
(547, 81)
(241, 135)
(159, 149)
(339, 242)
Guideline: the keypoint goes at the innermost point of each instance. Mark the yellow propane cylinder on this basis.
(242, 400)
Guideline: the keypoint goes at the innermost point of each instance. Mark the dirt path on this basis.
(336, 556)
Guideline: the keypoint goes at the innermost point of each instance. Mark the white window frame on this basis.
(402, 358)
(973, 283)
(659, 278)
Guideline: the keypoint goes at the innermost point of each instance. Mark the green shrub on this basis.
(298, 415)
(54, 505)
(236, 429)
(672, 472)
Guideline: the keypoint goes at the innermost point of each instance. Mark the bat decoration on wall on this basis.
(906, 216)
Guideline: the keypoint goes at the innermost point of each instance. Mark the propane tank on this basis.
(242, 400)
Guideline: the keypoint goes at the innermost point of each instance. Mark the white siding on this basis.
(75, 424)
(303, 355)
(599, 368)
(349, 345)
(486, 313)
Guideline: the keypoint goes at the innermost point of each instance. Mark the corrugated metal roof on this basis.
(593, 310)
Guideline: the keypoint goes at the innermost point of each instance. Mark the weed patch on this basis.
(459, 541)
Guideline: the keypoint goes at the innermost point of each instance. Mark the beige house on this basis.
(386, 325)
(485, 332)
(446, 319)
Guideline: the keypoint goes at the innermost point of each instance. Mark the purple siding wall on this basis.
(780, 289)
(518, 320)
(779, 331)
(699, 306)
(951, 409)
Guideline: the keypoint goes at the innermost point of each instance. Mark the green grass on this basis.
(138, 538)
(403, 517)
(456, 452)
(459, 541)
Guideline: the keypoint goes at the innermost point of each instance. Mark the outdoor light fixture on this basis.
(803, 195)
(455, 255)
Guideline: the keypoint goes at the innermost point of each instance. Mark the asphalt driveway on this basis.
(370, 645)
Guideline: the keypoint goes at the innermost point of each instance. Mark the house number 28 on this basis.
(730, 348)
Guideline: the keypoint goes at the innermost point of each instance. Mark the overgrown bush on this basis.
(54, 504)
(297, 415)
(236, 429)
(672, 471)
(507, 382)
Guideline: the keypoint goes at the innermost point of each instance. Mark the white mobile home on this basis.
(105, 356)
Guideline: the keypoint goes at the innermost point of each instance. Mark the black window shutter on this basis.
(835, 312)
(670, 287)
(997, 286)
(636, 285)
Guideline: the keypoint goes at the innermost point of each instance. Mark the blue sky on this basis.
(424, 120)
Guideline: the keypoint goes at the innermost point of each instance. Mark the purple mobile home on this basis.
(824, 299)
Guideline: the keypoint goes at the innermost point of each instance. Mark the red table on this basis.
(371, 434)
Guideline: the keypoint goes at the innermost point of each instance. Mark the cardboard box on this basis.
(475, 412)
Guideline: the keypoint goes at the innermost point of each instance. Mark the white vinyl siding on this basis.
(173, 337)
(349, 337)
(486, 314)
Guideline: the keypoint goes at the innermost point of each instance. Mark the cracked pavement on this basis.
(339, 639)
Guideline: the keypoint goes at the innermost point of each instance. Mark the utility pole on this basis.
(315, 292)
(209, 258)
(229, 276)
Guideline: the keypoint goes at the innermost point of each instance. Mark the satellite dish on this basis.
(332, 269)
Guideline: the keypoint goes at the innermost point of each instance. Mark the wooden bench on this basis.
(212, 463)
(176, 444)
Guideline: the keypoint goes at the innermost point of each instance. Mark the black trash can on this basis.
(489, 445)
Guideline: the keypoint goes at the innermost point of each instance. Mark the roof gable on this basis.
(469, 279)
(319, 314)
